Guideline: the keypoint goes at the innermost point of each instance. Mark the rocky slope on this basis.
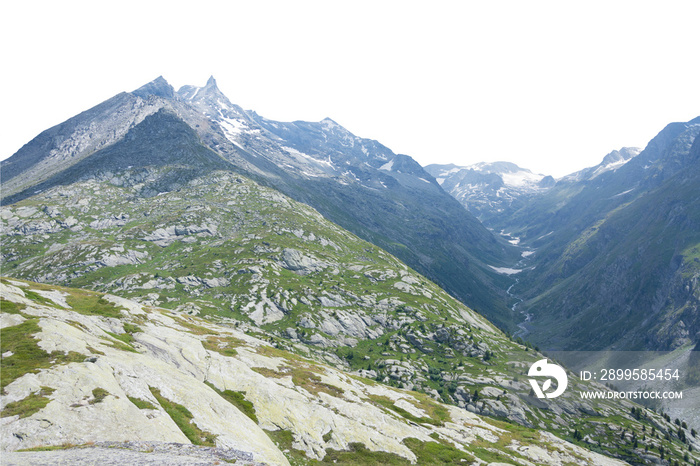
(81, 367)
(226, 248)
(385, 198)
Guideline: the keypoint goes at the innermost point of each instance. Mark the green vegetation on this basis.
(98, 395)
(25, 407)
(388, 403)
(223, 345)
(89, 303)
(131, 328)
(284, 440)
(437, 453)
(421, 338)
(358, 454)
(123, 342)
(311, 381)
(237, 399)
(10, 307)
(27, 356)
(193, 328)
(63, 446)
(141, 404)
(184, 420)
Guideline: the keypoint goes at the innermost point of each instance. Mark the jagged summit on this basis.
(190, 92)
(211, 82)
(158, 87)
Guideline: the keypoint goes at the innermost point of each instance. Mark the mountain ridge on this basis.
(340, 176)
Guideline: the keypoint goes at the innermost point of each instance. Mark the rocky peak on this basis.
(209, 90)
(158, 87)
(211, 83)
(620, 156)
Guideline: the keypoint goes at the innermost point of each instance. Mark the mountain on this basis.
(336, 350)
(628, 245)
(610, 261)
(385, 198)
(255, 263)
(490, 189)
(110, 380)
(611, 162)
(609, 252)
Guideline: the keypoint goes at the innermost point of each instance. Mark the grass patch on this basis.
(489, 455)
(93, 304)
(131, 328)
(29, 405)
(141, 404)
(37, 298)
(389, 403)
(10, 307)
(123, 337)
(98, 395)
(95, 351)
(358, 454)
(183, 419)
(237, 399)
(311, 381)
(437, 453)
(301, 372)
(123, 341)
(265, 372)
(63, 446)
(127, 337)
(222, 345)
(193, 328)
(27, 356)
(284, 440)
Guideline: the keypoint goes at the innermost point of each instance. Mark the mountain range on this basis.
(174, 227)
(385, 198)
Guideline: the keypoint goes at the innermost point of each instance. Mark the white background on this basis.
(550, 85)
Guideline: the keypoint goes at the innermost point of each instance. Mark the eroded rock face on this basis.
(190, 362)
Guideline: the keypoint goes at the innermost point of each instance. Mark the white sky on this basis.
(550, 85)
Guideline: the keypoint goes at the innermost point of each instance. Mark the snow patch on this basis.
(506, 270)
(232, 128)
(623, 193)
(387, 166)
(521, 178)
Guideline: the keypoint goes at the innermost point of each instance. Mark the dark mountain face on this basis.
(363, 186)
(161, 139)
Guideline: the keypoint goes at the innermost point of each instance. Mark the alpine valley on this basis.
(187, 282)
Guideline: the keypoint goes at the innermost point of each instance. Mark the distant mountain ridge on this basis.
(611, 161)
(385, 198)
(489, 188)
